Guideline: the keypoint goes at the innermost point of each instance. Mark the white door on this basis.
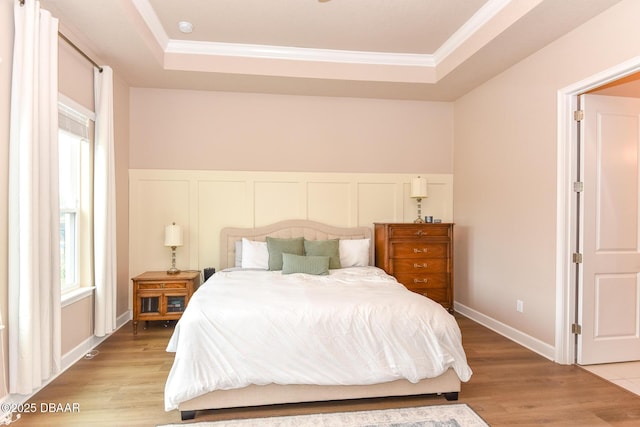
(609, 311)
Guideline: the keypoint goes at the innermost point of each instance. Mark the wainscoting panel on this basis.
(277, 199)
(220, 204)
(380, 202)
(437, 203)
(203, 202)
(156, 204)
(330, 202)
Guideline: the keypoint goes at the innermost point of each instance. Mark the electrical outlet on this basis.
(519, 306)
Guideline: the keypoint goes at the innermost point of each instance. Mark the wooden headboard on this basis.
(310, 230)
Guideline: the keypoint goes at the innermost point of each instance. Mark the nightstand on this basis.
(161, 296)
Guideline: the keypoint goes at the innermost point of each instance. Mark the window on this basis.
(69, 170)
(75, 145)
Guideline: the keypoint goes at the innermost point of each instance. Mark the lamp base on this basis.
(173, 269)
(419, 219)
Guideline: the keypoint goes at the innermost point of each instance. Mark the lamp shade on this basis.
(173, 235)
(418, 187)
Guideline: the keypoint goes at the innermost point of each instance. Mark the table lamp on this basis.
(419, 191)
(173, 239)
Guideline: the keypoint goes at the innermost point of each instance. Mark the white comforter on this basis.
(355, 326)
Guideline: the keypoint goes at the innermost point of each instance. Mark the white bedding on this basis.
(355, 326)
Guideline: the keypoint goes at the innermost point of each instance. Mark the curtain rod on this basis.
(63, 37)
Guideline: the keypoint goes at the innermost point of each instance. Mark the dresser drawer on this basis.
(419, 266)
(439, 295)
(162, 285)
(418, 231)
(425, 280)
(419, 250)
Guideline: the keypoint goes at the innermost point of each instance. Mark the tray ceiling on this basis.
(410, 49)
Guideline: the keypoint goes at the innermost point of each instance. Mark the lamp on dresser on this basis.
(418, 192)
(173, 239)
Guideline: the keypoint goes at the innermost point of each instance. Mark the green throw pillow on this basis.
(318, 265)
(277, 247)
(330, 248)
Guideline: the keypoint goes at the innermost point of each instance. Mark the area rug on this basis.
(454, 415)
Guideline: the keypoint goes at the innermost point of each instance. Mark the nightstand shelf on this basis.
(161, 296)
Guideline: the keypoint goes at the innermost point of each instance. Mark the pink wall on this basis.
(75, 75)
(179, 129)
(505, 193)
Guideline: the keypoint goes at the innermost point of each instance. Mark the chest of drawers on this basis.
(420, 256)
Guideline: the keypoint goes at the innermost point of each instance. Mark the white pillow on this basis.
(255, 254)
(238, 247)
(354, 252)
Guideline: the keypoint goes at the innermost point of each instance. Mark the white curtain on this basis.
(104, 209)
(34, 217)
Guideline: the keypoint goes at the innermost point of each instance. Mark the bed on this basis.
(298, 331)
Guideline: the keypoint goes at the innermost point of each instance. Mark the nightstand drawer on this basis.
(162, 285)
(419, 250)
(419, 266)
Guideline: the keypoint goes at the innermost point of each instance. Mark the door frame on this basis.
(566, 304)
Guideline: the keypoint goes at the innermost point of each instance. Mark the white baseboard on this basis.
(69, 359)
(123, 319)
(527, 341)
(90, 343)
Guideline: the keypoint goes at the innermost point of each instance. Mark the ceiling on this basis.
(395, 49)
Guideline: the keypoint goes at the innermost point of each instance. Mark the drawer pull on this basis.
(420, 280)
(419, 233)
(423, 265)
(420, 250)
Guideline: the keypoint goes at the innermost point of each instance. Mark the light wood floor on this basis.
(123, 386)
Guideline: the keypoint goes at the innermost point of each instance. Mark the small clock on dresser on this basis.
(420, 256)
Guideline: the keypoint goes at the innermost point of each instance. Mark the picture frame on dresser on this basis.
(418, 255)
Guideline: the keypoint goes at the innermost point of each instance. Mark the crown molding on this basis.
(153, 22)
(482, 17)
(298, 53)
(456, 45)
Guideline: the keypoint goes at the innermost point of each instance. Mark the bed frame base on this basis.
(447, 384)
(187, 415)
(190, 415)
(451, 396)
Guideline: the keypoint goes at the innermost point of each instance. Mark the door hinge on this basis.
(578, 186)
(578, 115)
(576, 329)
(577, 257)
